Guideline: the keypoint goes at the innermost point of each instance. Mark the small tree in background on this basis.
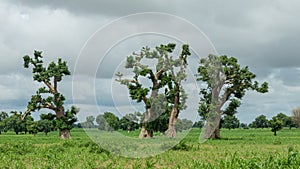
(89, 123)
(49, 97)
(260, 122)
(112, 121)
(45, 126)
(3, 117)
(100, 120)
(230, 122)
(275, 125)
(296, 116)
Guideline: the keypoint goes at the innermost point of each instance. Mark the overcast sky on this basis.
(263, 34)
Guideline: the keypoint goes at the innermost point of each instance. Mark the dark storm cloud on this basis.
(111, 7)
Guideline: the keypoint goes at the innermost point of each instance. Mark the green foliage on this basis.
(260, 122)
(45, 126)
(162, 76)
(66, 121)
(226, 82)
(275, 125)
(230, 122)
(89, 123)
(129, 122)
(224, 73)
(183, 124)
(112, 121)
(33, 128)
(100, 120)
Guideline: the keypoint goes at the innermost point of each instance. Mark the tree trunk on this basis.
(216, 134)
(145, 133)
(172, 122)
(64, 134)
(275, 134)
(173, 117)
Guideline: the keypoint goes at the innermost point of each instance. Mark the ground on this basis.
(238, 148)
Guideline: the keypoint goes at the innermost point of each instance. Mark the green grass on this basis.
(253, 148)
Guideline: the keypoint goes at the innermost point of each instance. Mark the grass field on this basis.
(239, 148)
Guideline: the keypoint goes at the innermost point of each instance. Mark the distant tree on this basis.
(100, 120)
(198, 124)
(112, 121)
(45, 126)
(3, 117)
(275, 125)
(226, 82)
(183, 124)
(296, 116)
(287, 121)
(129, 122)
(260, 122)
(230, 122)
(16, 123)
(49, 97)
(89, 123)
(33, 127)
(244, 126)
(49, 117)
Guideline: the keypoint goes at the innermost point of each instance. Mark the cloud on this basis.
(261, 34)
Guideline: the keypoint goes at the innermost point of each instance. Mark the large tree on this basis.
(175, 92)
(161, 74)
(226, 82)
(48, 96)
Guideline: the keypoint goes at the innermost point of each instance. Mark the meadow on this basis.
(238, 148)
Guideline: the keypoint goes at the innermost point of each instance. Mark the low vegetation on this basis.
(238, 148)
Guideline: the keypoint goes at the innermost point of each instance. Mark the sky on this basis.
(263, 34)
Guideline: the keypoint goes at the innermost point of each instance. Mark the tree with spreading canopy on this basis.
(48, 96)
(226, 82)
(159, 107)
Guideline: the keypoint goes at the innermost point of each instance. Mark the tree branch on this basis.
(49, 85)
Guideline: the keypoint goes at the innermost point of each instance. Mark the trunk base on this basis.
(216, 134)
(146, 133)
(64, 134)
(172, 132)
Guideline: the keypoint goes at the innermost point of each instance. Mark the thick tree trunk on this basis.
(64, 134)
(171, 127)
(216, 134)
(173, 118)
(145, 133)
(172, 122)
(275, 134)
